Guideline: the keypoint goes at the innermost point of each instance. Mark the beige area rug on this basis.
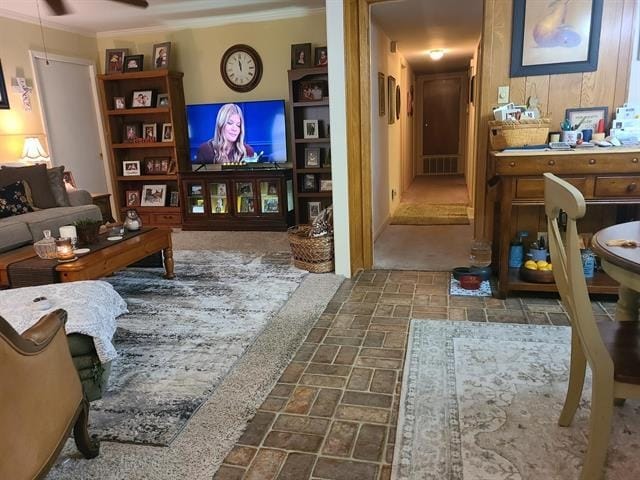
(430, 214)
(480, 401)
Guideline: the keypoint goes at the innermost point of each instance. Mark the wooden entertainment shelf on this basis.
(607, 177)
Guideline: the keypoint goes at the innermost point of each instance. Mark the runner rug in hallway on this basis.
(482, 400)
(182, 336)
(410, 213)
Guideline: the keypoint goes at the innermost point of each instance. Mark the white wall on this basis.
(634, 82)
(472, 127)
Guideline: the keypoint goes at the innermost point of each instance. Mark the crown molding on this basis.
(45, 23)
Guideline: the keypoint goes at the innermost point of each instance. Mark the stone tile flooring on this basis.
(333, 413)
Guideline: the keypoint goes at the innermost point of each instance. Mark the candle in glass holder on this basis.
(64, 250)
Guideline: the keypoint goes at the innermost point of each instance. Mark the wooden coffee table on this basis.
(105, 261)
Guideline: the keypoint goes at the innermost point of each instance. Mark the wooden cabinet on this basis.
(309, 146)
(237, 200)
(608, 179)
(131, 138)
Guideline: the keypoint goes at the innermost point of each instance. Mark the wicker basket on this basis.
(314, 254)
(518, 133)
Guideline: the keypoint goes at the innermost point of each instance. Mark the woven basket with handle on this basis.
(314, 254)
(518, 133)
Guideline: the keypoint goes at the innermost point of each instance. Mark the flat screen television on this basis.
(215, 132)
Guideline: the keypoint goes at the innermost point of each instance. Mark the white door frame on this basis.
(35, 54)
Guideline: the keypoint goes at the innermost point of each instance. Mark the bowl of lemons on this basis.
(539, 271)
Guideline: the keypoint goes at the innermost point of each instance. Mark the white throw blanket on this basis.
(92, 307)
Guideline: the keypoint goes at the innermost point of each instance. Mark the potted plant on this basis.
(87, 230)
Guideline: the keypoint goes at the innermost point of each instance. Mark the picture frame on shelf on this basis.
(312, 91)
(131, 132)
(300, 55)
(311, 158)
(131, 168)
(244, 189)
(588, 117)
(382, 102)
(321, 56)
(174, 199)
(246, 205)
(142, 99)
(114, 60)
(173, 167)
(313, 210)
(156, 165)
(221, 189)
(153, 195)
(119, 103)
(220, 205)
(149, 132)
(570, 46)
(133, 63)
(326, 185)
(270, 205)
(167, 132)
(310, 129)
(162, 100)
(161, 55)
(132, 198)
(309, 183)
(195, 190)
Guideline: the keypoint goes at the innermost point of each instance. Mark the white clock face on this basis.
(241, 68)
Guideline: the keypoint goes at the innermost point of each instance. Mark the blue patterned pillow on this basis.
(13, 200)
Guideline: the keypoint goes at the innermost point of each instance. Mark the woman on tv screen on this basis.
(227, 144)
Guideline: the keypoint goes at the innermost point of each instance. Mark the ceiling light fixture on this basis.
(436, 54)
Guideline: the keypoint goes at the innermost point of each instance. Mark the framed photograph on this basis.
(131, 168)
(162, 100)
(156, 165)
(301, 55)
(325, 185)
(149, 132)
(391, 94)
(312, 91)
(270, 205)
(195, 190)
(311, 157)
(69, 181)
(4, 99)
(153, 195)
(133, 63)
(174, 199)
(313, 209)
(309, 183)
(382, 101)
(161, 55)
(246, 205)
(114, 60)
(221, 189)
(272, 188)
(132, 198)
(141, 98)
(131, 132)
(398, 100)
(585, 118)
(542, 45)
(321, 56)
(310, 129)
(167, 132)
(219, 206)
(244, 189)
(119, 103)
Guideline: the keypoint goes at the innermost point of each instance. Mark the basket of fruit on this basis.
(537, 272)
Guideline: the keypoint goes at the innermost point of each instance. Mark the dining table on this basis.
(622, 263)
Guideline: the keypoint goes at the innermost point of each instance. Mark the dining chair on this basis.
(612, 349)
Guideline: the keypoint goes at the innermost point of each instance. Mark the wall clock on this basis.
(241, 68)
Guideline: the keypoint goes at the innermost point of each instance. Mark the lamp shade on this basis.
(33, 152)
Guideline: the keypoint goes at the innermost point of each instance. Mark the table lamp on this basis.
(33, 152)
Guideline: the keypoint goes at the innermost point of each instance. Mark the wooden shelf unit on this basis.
(300, 110)
(607, 177)
(123, 85)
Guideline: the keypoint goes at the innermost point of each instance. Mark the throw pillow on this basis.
(36, 176)
(56, 183)
(13, 200)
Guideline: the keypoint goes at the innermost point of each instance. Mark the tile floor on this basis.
(333, 413)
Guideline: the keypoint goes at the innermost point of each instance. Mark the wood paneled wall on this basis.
(608, 86)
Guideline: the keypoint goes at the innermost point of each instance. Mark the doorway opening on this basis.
(423, 133)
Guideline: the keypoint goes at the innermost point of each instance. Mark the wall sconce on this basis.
(436, 54)
(33, 152)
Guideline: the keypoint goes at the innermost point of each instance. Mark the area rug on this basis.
(481, 401)
(182, 336)
(430, 214)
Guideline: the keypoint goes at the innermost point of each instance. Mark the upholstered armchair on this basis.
(41, 399)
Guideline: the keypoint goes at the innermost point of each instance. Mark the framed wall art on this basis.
(555, 37)
(4, 99)
(587, 118)
(301, 55)
(161, 55)
(391, 94)
(153, 195)
(381, 96)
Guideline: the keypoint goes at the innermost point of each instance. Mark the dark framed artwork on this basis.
(133, 63)
(301, 55)
(114, 60)
(555, 37)
(587, 118)
(472, 88)
(321, 57)
(391, 94)
(381, 96)
(4, 99)
(161, 55)
(398, 102)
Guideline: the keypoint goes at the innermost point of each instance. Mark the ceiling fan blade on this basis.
(57, 7)
(134, 3)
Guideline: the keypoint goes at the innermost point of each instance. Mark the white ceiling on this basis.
(422, 25)
(106, 17)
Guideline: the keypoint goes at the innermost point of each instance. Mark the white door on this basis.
(68, 99)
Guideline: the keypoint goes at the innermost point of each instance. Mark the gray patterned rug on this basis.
(182, 336)
(481, 402)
